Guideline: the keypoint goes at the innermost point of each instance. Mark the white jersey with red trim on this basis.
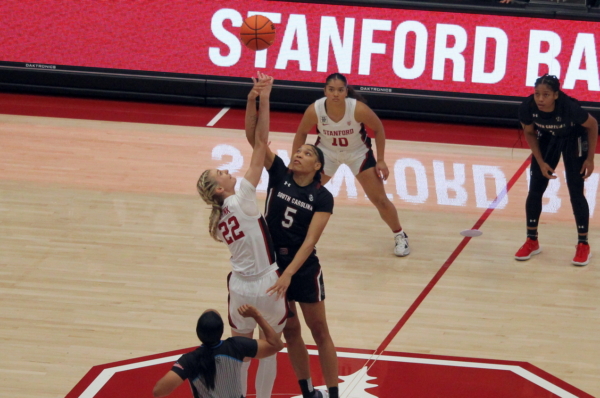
(247, 236)
(346, 135)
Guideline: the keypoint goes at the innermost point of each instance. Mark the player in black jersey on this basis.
(298, 208)
(555, 125)
(214, 368)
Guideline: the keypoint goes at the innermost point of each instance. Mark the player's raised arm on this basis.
(256, 120)
(257, 128)
(309, 120)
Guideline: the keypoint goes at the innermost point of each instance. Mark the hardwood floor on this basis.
(105, 255)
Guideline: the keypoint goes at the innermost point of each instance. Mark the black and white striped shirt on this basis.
(228, 357)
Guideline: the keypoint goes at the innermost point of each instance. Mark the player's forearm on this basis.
(270, 335)
(250, 120)
(299, 140)
(167, 384)
(301, 255)
(261, 132)
(592, 141)
(534, 145)
(380, 144)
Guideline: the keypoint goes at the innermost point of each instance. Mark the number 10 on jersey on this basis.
(342, 141)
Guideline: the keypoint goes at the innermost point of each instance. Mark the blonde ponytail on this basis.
(206, 188)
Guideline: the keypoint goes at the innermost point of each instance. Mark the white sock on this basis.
(399, 233)
(265, 376)
(244, 377)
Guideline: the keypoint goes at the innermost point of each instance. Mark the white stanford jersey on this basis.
(248, 238)
(346, 135)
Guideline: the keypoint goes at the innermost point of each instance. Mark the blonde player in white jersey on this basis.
(340, 118)
(236, 220)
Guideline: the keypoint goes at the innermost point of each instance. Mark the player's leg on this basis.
(240, 326)
(306, 285)
(309, 292)
(314, 315)
(332, 163)
(533, 204)
(246, 364)
(574, 156)
(297, 351)
(266, 373)
(375, 191)
(275, 312)
(366, 174)
(533, 209)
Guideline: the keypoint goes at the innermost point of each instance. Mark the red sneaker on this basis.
(582, 256)
(530, 248)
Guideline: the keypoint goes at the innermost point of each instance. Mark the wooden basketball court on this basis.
(105, 254)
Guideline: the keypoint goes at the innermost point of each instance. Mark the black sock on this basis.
(333, 392)
(306, 387)
(583, 239)
(532, 234)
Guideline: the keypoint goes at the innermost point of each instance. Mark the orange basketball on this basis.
(257, 32)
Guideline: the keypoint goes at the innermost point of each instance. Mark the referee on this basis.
(213, 369)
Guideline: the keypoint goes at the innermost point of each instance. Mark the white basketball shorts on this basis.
(252, 290)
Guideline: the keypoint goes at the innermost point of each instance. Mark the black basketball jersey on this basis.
(290, 208)
(229, 355)
(564, 119)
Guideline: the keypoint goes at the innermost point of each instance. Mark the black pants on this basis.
(574, 149)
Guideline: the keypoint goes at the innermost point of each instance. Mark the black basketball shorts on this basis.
(307, 284)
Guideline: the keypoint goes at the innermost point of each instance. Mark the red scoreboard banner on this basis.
(377, 48)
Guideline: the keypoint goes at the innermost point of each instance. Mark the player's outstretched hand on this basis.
(258, 87)
(268, 83)
(382, 170)
(547, 171)
(248, 311)
(281, 286)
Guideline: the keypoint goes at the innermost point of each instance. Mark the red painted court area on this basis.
(392, 375)
(363, 374)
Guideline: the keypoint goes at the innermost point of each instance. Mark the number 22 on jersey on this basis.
(230, 230)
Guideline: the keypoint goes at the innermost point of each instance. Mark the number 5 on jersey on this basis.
(231, 233)
(288, 218)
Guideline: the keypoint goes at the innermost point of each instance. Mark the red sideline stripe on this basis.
(449, 262)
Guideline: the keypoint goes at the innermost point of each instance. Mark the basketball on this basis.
(257, 32)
